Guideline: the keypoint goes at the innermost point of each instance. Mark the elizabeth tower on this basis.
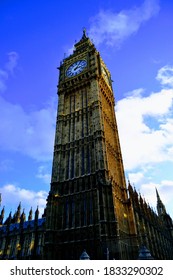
(87, 206)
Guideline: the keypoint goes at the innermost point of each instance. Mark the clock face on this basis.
(76, 68)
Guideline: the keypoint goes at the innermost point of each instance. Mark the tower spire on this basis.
(158, 196)
(84, 33)
(161, 210)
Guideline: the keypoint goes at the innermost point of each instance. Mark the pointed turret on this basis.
(36, 214)
(23, 217)
(30, 215)
(2, 215)
(161, 210)
(44, 214)
(18, 213)
(130, 188)
(14, 219)
(165, 217)
(8, 220)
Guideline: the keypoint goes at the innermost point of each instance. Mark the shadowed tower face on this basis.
(87, 206)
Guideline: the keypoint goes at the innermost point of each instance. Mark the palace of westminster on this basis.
(91, 211)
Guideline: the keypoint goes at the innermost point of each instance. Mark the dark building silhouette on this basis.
(89, 206)
(21, 239)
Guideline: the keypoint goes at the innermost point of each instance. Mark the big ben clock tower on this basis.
(87, 206)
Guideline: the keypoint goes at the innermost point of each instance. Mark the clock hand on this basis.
(78, 66)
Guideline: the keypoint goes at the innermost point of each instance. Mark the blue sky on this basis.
(135, 39)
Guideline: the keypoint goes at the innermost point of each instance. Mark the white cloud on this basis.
(149, 192)
(113, 28)
(165, 76)
(143, 143)
(135, 178)
(31, 134)
(12, 195)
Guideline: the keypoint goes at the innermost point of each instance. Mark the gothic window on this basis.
(84, 210)
(66, 213)
(88, 159)
(72, 212)
(67, 164)
(72, 163)
(83, 161)
(90, 209)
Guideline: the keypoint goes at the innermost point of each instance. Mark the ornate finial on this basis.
(84, 33)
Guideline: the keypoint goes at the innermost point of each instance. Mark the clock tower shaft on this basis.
(87, 206)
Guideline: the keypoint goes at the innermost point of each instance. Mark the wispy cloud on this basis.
(12, 62)
(6, 165)
(113, 28)
(3, 79)
(44, 174)
(8, 69)
(19, 130)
